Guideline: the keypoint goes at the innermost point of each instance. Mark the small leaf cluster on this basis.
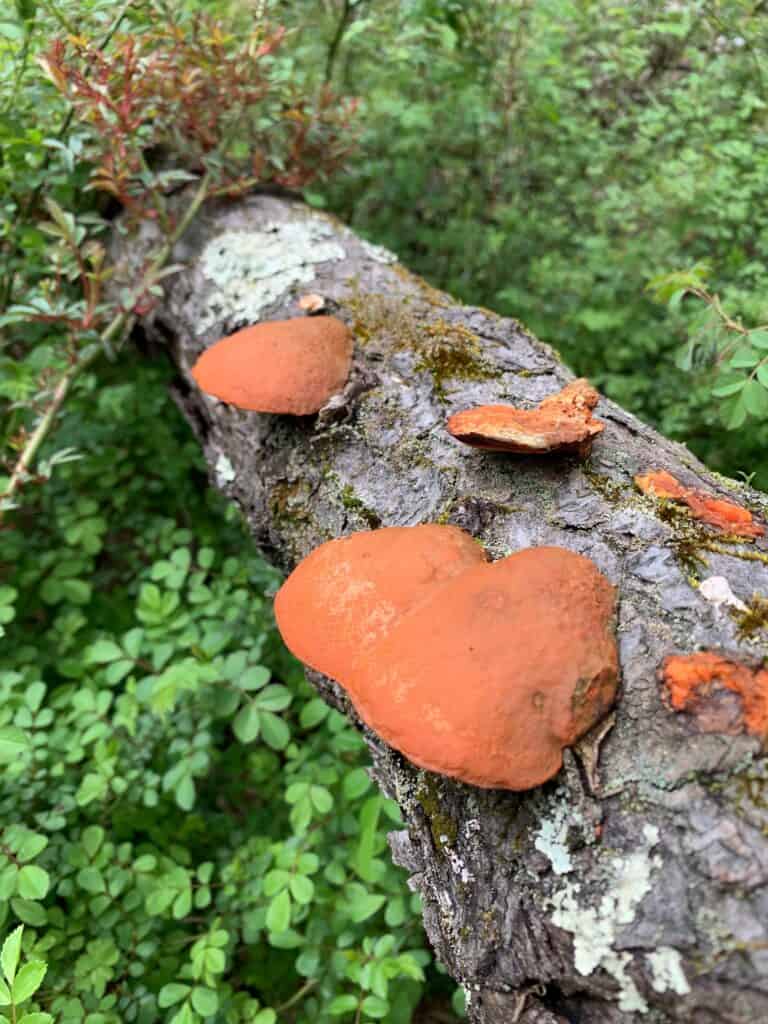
(190, 834)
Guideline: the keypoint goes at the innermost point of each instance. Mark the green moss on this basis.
(754, 618)
(443, 828)
(605, 487)
(451, 351)
(352, 503)
(447, 351)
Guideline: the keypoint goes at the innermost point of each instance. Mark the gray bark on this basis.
(641, 897)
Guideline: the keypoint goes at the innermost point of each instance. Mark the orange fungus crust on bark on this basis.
(723, 515)
(695, 682)
(481, 671)
(279, 366)
(561, 423)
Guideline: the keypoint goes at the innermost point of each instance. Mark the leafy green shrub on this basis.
(189, 832)
(548, 159)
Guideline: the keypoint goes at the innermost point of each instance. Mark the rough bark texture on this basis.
(638, 897)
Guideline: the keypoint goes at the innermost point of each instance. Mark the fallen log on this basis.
(632, 886)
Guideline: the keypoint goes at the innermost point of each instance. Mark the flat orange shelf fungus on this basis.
(723, 515)
(481, 671)
(695, 684)
(280, 366)
(560, 423)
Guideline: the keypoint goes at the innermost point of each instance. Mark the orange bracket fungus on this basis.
(560, 423)
(280, 366)
(481, 671)
(723, 515)
(697, 683)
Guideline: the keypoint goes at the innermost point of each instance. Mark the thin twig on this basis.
(119, 328)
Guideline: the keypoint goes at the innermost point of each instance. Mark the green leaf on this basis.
(247, 723)
(279, 912)
(733, 413)
(185, 793)
(5, 994)
(36, 1018)
(254, 678)
(321, 798)
(101, 652)
(28, 980)
(91, 880)
(29, 912)
(755, 399)
(13, 744)
(759, 339)
(313, 713)
(171, 994)
(33, 882)
(375, 1007)
(731, 387)
(302, 889)
(355, 783)
(92, 838)
(30, 846)
(273, 698)
(744, 359)
(9, 955)
(342, 1004)
(762, 374)
(205, 1001)
(369, 820)
(274, 730)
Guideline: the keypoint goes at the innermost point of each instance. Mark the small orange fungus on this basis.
(723, 515)
(560, 423)
(695, 683)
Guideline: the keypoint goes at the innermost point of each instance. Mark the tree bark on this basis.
(636, 895)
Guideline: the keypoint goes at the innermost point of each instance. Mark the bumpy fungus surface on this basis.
(723, 515)
(280, 366)
(481, 671)
(696, 683)
(561, 423)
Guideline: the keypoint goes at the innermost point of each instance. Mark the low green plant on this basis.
(190, 834)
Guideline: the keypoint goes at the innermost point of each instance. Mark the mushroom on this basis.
(560, 423)
(484, 672)
(348, 592)
(280, 366)
(695, 683)
(723, 515)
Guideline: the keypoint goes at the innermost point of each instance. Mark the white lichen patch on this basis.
(251, 269)
(551, 838)
(667, 974)
(225, 471)
(378, 253)
(594, 929)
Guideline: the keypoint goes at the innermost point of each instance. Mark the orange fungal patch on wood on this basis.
(560, 423)
(695, 683)
(723, 515)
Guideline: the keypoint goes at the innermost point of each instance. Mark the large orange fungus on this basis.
(481, 671)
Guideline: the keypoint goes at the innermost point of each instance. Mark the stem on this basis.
(119, 327)
(341, 28)
(298, 996)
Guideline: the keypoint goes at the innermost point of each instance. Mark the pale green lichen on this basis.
(667, 974)
(224, 470)
(378, 253)
(252, 269)
(552, 834)
(594, 929)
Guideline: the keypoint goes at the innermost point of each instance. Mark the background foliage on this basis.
(186, 833)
